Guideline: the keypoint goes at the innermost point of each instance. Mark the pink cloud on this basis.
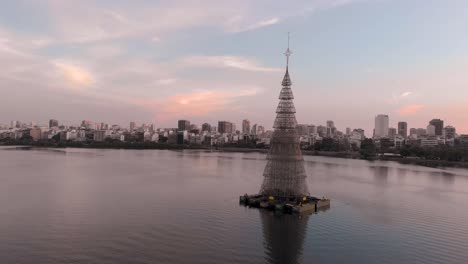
(410, 109)
(193, 104)
(75, 75)
(233, 62)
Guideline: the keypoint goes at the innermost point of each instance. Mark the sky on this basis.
(118, 61)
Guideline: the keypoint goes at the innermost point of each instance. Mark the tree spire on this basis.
(287, 54)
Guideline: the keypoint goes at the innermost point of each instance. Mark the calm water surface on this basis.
(150, 206)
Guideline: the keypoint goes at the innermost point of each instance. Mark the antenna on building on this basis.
(287, 53)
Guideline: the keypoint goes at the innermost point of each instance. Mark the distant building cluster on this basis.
(185, 133)
(311, 135)
(434, 134)
(226, 132)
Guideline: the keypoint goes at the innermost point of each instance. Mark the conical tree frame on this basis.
(284, 174)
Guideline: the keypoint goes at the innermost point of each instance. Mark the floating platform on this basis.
(292, 204)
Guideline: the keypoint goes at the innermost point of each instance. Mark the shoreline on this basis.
(343, 155)
(356, 155)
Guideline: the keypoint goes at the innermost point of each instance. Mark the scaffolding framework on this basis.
(284, 174)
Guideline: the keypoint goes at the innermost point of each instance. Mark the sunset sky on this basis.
(158, 61)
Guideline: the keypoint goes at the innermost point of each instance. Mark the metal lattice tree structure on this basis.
(285, 173)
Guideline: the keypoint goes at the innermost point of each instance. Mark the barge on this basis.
(291, 204)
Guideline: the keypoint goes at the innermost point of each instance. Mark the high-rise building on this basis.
(132, 126)
(463, 141)
(330, 128)
(381, 126)
(361, 132)
(431, 130)
(226, 127)
(312, 129)
(104, 126)
(403, 129)
(260, 130)
(222, 127)
(439, 126)
(254, 130)
(245, 127)
(392, 132)
(421, 132)
(206, 127)
(450, 132)
(194, 129)
(87, 124)
(183, 125)
(322, 131)
(53, 123)
(348, 131)
(302, 129)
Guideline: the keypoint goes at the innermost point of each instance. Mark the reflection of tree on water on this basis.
(380, 174)
(283, 236)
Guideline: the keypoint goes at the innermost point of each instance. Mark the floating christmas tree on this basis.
(284, 173)
(284, 187)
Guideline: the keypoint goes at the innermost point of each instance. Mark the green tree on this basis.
(367, 149)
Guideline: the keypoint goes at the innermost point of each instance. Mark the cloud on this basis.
(263, 23)
(87, 21)
(117, 16)
(84, 44)
(83, 22)
(104, 51)
(7, 46)
(195, 103)
(75, 75)
(167, 81)
(40, 42)
(399, 98)
(405, 94)
(234, 27)
(233, 62)
(410, 109)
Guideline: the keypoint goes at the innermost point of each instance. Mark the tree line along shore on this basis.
(439, 156)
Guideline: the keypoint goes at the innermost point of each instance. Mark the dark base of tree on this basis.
(291, 204)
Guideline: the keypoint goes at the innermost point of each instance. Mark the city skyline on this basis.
(382, 126)
(117, 62)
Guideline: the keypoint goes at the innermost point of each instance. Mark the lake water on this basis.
(156, 206)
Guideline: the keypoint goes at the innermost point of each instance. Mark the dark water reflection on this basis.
(380, 174)
(283, 237)
(124, 206)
